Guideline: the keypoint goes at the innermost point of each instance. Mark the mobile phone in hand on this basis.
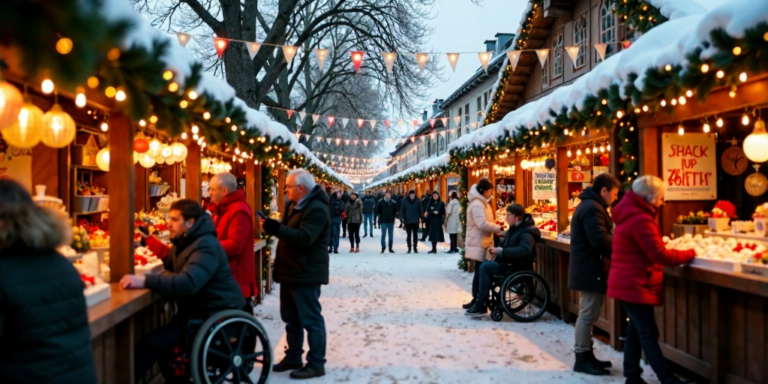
(261, 214)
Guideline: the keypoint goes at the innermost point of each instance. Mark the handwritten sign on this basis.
(544, 186)
(689, 164)
(16, 164)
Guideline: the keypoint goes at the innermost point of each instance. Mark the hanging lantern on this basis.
(756, 143)
(102, 159)
(140, 143)
(155, 147)
(205, 164)
(179, 151)
(146, 160)
(170, 161)
(58, 128)
(136, 157)
(11, 102)
(27, 130)
(160, 159)
(166, 151)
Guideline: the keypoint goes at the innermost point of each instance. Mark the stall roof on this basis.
(439, 161)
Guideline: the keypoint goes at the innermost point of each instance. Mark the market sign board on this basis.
(544, 185)
(689, 165)
(16, 164)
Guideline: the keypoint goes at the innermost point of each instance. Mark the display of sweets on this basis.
(761, 212)
(80, 239)
(99, 239)
(166, 201)
(143, 257)
(724, 209)
(155, 221)
(88, 280)
(86, 189)
(549, 225)
(718, 248)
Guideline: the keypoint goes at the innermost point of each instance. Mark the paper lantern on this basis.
(146, 160)
(140, 143)
(102, 159)
(155, 148)
(58, 128)
(170, 161)
(756, 144)
(11, 102)
(27, 130)
(160, 159)
(205, 165)
(166, 151)
(136, 157)
(179, 151)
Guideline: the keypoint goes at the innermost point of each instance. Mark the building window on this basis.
(545, 74)
(485, 101)
(466, 116)
(479, 103)
(580, 39)
(459, 116)
(608, 27)
(557, 55)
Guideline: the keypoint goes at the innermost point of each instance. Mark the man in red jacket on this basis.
(233, 219)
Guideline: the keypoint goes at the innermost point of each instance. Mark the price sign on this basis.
(689, 164)
(544, 186)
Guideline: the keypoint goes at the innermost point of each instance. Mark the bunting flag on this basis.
(302, 114)
(422, 58)
(457, 120)
(415, 123)
(573, 53)
(514, 58)
(289, 52)
(542, 54)
(386, 124)
(403, 140)
(360, 123)
(330, 121)
(183, 38)
(485, 57)
(365, 142)
(373, 123)
(319, 138)
(220, 45)
(432, 123)
(290, 113)
(357, 60)
(315, 118)
(400, 122)
(344, 122)
(346, 142)
(473, 125)
(338, 141)
(453, 58)
(389, 60)
(328, 140)
(444, 120)
(600, 48)
(376, 142)
(356, 141)
(321, 55)
(253, 49)
(413, 139)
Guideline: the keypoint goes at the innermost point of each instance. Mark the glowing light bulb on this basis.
(578, 152)
(745, 119)
(663, 103)
(608, 148)
(720, 74)
(704, 68)
(195, 129)
(569, 153)
(743, 77)
(689, 93)
(192, 95)
(206, 115)
(120, 95)
(184, 136)
(682, 100)
(104, 126)
(719, 122)
(645, 108)
(80, 100)
(47, 86)
(706, 128)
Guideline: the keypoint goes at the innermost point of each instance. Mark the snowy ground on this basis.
(397, 318)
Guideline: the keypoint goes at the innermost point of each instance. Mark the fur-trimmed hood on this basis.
(25, 227)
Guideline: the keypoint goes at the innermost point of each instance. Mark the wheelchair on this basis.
(519, 292)
(225, 348)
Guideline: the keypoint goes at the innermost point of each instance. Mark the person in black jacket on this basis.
(591, 243)
(424, 203)
(379, 197)
(411, 212)
(517, 252)
(335, 207)
(399, 201)
(435, 217)
(369, 207)
(301, 267)
(345, 200)
(387, 210)
(44, 332)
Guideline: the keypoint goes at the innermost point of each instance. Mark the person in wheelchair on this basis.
(197, 276)
(516, 253)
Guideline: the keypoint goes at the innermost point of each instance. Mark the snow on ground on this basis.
(397, 318)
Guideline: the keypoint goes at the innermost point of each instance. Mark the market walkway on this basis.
(397, 318)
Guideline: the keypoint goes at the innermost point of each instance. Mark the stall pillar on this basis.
(444, 188)
(418, 189)
(614, 167)
(192, 178)
(492, 178)
(280, 191)
(561, 180)
(121, 194)
(521, 192)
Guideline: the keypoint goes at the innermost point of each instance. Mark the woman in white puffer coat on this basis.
(480, 229)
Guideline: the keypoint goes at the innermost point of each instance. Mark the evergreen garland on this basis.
(638, 13)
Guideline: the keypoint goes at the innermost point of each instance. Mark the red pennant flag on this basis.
(290, 113)
(432, 123)
(386, 123)
(330, 120)
(220, 45)
(357, 59)
(415, 123)
(360, 123)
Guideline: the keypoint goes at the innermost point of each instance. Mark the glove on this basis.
(271, 226)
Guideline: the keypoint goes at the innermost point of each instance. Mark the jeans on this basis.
(368, 223)
(487, 270)
(643, 334)
(590, 304)
(335, 231)
(412, 233)
(454, 239)
(354, 234)
(158, 343)
(387, 227)
(476, 278)
(300, 309)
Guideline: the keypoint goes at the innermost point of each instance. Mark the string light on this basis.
(736, 51)
(167, 75)
(47, 86)
(184, 136)
(110, 91)
(706, 127)
(142, 123)
(104, 126)
(578, 152)
(234, 128)
(120, 95)
(206, 115)
(719, 122)
(195, 129)
(682, 100)
(704, 68)
(680, 130)
(743, 77)
(745, 119)
(192, 95)
(569, 152)
(645, 108)
(93, 82)
(689, 93)
(663, 103)
(173, 87)
(80, 100)
(720, 74)
(153, 119)
(183, 104)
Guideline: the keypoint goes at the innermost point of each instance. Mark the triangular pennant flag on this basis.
(573, 53)
(183, 38)
(338, 141)
(357, 141)
(360, 123)
(375, 142)
(514, 58)
(542, 54)
(432, 123)
(289, 52)
(328, 140)
(453, 58)
(386, 124)
(253, 49)
(330, 121)
(485, 57)
(373, 123)
(346, 142)
(457, 120)
(413, 139)
(220, 45)
(290, 113)
(302, 114)
(600, 48)
(344, 122)
(415, 123)
(357, 60)
(473, 125)
(389, 60)
(400, 122)
(432, 136)
(365, 142)
(444, 120)
(315, 118)
(321, 55)
(421, 59)
(319, 138)
(403, 141)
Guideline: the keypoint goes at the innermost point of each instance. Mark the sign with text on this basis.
(544, 185)
(689, 165)
(16, 164)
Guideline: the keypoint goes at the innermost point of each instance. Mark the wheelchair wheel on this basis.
(228, 347)
(525, 296)
(497, 314)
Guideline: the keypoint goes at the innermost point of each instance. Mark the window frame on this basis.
(466, 116)
(545, 74)
(581, 38)
(557, 55)
(606, 13)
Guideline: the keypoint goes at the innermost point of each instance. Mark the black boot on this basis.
(307, 372)
(284, 365)
(585, 364)
(600, 363)
(469, 305)
(415, 250)
(670, 378)
(477, 310)
(635, 380)
(409, 250)
(383, 249)
(364, 236)
(391, 250)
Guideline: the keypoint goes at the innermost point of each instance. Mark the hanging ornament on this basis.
(733, 160)
(542, 54)
(102, 159)
(389, 60)
(357, 60)
(756, 184)
(600, 48)
(289, 52)
(432, 123)
(146, 160)
(321, 54)
(421, 59)
(756, 143)
(220, 45)
(59, 128)
(573, 53)
(253, 49)
(140, 143)
(155, 148)
(514, 58)
(11, 101)
(27, 130)
(484, 57)
(179, 151)
(183, 38)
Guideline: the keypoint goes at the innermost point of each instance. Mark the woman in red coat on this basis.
(636, 276)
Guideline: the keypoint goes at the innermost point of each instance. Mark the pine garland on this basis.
(638, 13)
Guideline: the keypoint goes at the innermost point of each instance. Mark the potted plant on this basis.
(721, 216)
(691, 223)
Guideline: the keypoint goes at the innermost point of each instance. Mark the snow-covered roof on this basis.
(180, 61)
(439, 161)
(667, 43)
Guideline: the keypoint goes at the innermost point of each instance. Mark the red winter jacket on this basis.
(234, 229)
(639, 254)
